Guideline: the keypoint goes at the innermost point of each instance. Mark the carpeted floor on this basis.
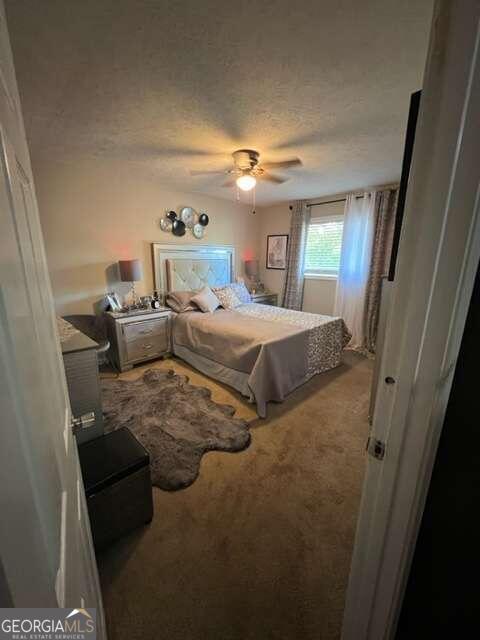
(259, 547)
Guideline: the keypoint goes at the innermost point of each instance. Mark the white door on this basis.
(438, 259)
(46, 551)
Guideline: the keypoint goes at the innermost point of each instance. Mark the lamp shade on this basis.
(130, 270)
(251, 268)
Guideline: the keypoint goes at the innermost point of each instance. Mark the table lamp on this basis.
(131, 271)
(251, 271)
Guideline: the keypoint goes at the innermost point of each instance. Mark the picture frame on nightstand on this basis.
(113, 301)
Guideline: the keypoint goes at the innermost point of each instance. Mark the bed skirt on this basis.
(235, 379)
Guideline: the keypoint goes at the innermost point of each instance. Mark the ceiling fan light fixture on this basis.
(246, 182)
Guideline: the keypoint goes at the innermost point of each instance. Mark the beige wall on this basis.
(94, 213)
(319, 294)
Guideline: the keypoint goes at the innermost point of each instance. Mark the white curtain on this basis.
(357, 243)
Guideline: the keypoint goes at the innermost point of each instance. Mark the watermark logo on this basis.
(48, 624)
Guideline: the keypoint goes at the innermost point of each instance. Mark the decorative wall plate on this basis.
(198, 231)
(178, 228)
(165, 224)
(189, 217)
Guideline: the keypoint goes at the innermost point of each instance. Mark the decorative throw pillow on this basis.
(242, 292)
(206, 300)
(228, 298)
(181, 301)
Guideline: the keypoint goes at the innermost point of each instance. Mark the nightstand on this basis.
(138, 336)
(265, 298)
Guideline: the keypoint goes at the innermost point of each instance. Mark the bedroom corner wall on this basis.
(319, 295)
(95, 212)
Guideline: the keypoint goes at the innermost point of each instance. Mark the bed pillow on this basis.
(206, 300)
(228, 298)
(242, 292)
(181, 301)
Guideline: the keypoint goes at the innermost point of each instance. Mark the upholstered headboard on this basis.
(185, 267)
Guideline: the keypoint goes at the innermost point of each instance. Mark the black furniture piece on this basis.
(116, 476)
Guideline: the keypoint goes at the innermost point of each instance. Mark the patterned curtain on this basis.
(385, 211)
(292, 296)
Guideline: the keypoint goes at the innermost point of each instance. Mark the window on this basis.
(324, 244)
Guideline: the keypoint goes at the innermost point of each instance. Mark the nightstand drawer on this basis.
(145, 329)
(147, 347)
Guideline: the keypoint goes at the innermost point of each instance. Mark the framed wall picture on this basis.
(277, 251)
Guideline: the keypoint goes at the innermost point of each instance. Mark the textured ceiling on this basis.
(179, 85)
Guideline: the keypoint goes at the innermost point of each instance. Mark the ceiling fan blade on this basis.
(229, 183)
(285, 164)
(271, 178)
(207, 173)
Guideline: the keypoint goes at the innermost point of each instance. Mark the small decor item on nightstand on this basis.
(113, 302)
(157, 300)
(146, 302)
(257, 289)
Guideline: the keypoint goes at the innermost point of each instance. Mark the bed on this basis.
(262, 351)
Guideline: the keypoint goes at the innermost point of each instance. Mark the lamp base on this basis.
(134, 297)
(255, 286)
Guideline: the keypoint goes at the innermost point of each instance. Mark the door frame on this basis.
(438, 259)
(42, 496)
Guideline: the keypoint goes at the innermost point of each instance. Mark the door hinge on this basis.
(82, 422)
(376, 448)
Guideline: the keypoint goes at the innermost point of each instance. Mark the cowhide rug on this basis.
(175, 421)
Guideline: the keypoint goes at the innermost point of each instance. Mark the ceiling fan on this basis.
(247, 170)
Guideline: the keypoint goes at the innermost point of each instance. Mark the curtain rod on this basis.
(357, 195)
(317, 204)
